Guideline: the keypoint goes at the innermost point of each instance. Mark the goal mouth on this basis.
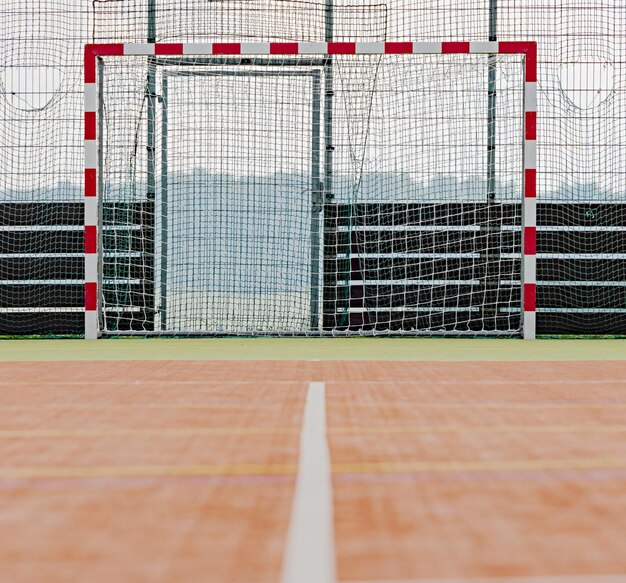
(310, 189)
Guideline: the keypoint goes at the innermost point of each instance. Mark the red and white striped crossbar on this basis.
(528, 49)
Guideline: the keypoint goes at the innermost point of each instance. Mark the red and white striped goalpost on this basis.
(91, 194)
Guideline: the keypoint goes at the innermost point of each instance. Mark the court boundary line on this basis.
(358, 468)
(310, 551)
(414, 382)
(172, 432)
(514, 579)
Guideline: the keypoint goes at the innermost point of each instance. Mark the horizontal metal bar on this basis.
(122, 254)
(408, 282)
(40, 310)
(222, 73)
(317, 333)
(408, 255)
(63, 228)
(243, 60)
(426, 309)
(478, 227)
(111, 282)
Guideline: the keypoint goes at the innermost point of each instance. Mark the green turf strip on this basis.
(407, 349)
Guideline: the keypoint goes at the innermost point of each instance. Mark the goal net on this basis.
(308, 194)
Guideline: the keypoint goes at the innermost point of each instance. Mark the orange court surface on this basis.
(297, 460)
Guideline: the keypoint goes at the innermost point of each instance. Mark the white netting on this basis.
(581, 153)
(259, 221)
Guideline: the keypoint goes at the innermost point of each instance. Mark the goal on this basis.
(310, 189)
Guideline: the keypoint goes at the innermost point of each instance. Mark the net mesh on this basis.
(581, 156)
(40, 166)
(259, 220)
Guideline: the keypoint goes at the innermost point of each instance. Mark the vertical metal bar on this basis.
(529, 228)
(491, 105)
(329, 93)
(148, 218)
(491, 232)
(328, 106)
(164, 202)
(152, 21)
(100, 135)
(150, 96)
(317, 200)
(523, 232)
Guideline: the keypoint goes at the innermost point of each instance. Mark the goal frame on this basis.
(316, 168)
(92, 183)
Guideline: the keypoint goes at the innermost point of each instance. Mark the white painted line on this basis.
(310, 552)
(546, 579)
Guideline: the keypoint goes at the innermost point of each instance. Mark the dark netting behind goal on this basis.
(311, 195)
(581, 261)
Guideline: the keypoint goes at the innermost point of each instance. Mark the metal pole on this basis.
(100, 135)
(328, 126)
(328, 106)
(148, 217)
(164, 193)
(491, 223)
(152, 21)
(317, 194)
(151, 105)
(491, 105)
